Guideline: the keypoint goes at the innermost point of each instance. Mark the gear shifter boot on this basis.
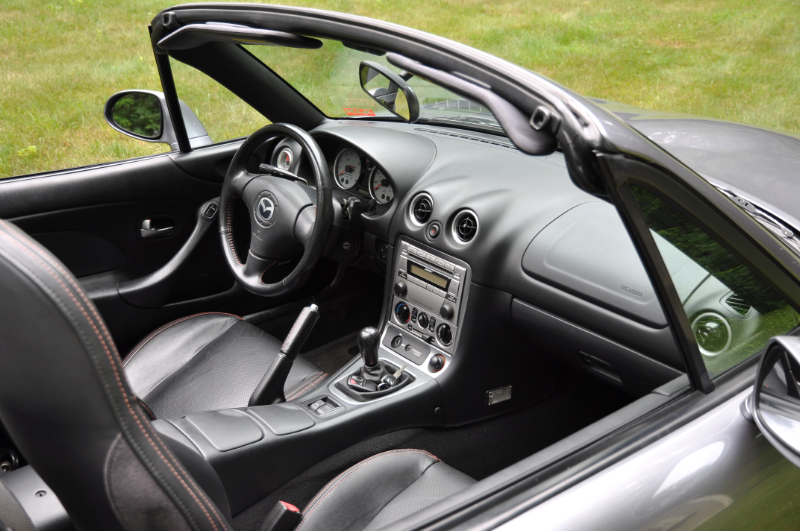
(375, 377)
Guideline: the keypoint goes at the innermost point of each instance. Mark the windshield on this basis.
(328, 78)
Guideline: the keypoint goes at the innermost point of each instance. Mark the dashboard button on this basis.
(450, 267)
(453, 287)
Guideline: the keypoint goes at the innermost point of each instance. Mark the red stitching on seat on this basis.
(347, 473)
(319, 378)
(35, 253)
(169, 325)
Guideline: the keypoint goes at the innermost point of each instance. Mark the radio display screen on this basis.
(428, 276)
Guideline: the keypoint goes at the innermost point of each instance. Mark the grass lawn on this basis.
(732, 59)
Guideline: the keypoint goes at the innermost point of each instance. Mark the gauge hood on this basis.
(760, 164)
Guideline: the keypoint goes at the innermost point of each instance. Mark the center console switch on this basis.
(406, 345)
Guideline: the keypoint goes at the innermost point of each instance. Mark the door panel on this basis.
(90, 218)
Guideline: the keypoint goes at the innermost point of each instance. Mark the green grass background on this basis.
(732, 59)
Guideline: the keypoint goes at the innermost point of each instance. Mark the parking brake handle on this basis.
(270, 389)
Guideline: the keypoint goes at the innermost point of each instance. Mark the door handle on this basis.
(150, 228)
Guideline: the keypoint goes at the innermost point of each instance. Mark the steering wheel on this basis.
(282, 212)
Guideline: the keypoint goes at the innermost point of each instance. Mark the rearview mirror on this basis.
(776, 397)
(389, 90)
(143, 114)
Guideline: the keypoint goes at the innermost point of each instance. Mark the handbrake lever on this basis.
(270, 389)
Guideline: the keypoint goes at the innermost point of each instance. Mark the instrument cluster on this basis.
(357, 173)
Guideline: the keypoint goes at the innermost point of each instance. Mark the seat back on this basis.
(67, 405)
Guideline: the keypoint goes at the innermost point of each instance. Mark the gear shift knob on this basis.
(368, 346)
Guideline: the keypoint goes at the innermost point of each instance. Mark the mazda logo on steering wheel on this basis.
(266, 208)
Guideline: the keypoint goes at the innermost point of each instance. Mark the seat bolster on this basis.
(354, 498)
(147, 366)
(438, 482)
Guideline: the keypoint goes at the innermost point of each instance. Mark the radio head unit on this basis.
(428, 292)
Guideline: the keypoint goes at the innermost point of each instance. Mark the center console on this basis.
(429, 294)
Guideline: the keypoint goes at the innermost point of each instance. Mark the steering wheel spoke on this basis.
(255, 266)
(239, 181)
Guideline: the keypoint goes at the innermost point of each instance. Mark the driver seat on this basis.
(67, 405)
(208, 361)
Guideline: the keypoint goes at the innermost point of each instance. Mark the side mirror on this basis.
(143, 114)
(389, 90)
(776, 397)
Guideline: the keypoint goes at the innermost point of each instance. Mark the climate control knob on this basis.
(400, 289)
(402, 312)
(445, 334)
(423, 320)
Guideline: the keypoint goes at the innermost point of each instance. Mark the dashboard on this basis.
(550, 270)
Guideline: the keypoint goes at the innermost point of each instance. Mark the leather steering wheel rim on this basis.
(276, 206)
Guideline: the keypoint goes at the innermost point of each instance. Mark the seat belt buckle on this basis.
(283, 517)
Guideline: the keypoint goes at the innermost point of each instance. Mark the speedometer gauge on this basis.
(347, 168)
(379, 187)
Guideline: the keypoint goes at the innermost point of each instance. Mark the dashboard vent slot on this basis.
(465, 226)
(421, 209)
(737, 304)
(468, 137)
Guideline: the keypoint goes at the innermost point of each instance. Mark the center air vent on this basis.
(465, 226)
(421, 209)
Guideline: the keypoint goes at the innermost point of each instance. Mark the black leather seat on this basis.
(381, 490)
(67, 404)
(208, 361)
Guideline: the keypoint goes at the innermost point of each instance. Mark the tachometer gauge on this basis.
(285, 159)
(347, 168)
(379, 187)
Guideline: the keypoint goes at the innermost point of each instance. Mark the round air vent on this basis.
(420, 209)
(712, 332)
(465, 226)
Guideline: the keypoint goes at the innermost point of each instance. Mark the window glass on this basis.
(329, 78)
(733, 312)
(223, 114)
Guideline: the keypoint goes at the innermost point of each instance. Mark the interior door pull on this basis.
(152, 290)
(150, 229)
